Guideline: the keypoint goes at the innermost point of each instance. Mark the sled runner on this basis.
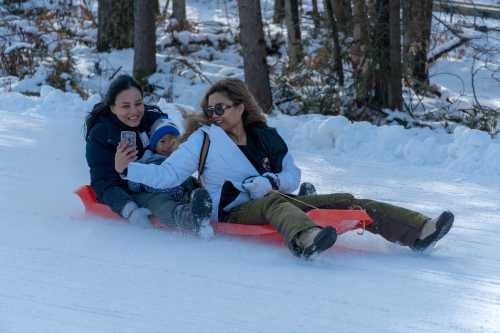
(342, 220)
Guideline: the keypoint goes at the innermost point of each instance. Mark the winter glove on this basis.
(136, 215)
(257, 186)
(273, 179)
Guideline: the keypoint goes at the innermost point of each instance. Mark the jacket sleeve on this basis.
(105, 181)
(289, 176)
(174, 170)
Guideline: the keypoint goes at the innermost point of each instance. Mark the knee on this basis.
(274, 198)
(342, 200)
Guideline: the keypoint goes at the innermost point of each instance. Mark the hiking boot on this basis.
(312, 241)
(195, 216)
(307, 189)
(201, 207)
(433, 231)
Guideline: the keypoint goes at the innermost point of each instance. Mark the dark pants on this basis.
(288, 217)
(159, 204)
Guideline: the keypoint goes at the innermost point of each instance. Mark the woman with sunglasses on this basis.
(248, 166)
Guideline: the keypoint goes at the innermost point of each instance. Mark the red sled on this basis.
(342, 220)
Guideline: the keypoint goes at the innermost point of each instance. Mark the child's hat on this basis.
(160, 128)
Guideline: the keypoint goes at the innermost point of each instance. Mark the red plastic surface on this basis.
(342, 220)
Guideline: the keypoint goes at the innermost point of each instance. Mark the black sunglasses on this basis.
(218, 109)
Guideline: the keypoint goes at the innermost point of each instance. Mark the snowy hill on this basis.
(62, 272)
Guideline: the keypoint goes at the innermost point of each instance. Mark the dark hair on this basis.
(121, 83)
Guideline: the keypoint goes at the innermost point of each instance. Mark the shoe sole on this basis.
(443, 226)
(323, 241)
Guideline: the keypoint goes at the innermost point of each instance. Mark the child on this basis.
(163, 141)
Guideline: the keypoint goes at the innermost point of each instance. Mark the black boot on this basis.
(307, 189)
(312, 241)
(195, 216)
(443, 224)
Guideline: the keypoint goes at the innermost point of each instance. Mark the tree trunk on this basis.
(179, 11)
(358, 52)
(343, 14)
(419, 32)
(145, 40)
(254, 53)
(315, 16)
(279, 11)
(292, 19)
(405, 8)
(395, 88)
(337, 55)
(380, 48)
(115, 26)
(156, 7)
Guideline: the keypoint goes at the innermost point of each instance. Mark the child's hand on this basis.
(124, 155)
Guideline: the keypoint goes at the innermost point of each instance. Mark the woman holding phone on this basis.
(122, 122)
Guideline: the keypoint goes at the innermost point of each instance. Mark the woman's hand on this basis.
(124, 155)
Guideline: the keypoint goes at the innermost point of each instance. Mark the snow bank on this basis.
(467, 151)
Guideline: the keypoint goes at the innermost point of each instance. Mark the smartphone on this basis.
(130, 137)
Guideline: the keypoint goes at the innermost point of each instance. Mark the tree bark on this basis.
(145, 40)
(395, 87)
(279, 11)
(315, 16)
(179, 11)
(156, 7)
(358, 52)
(254, 53)
(419, 32)
(115, 26)
(380, 48)
(343, 14)
(405, 6)
(337, 52)
(292, 19)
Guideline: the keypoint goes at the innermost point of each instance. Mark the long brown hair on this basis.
(238, 93)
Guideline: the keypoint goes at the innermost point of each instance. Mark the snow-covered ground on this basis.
(61, 272)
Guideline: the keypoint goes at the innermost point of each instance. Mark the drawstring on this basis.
(295, 199)
(363, 226)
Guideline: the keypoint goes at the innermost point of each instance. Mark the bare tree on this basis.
(315, 16)
(358, 52)
(337, 56)
(417, 41)
(254, 52)
(145, 39)
(115, 26)
(343, 15)
(179, 11)
(395, 88)
(279, 11)
(292, 19)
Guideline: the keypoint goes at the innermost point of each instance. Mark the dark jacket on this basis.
(102, 141)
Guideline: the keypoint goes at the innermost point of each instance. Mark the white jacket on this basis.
(225, 162)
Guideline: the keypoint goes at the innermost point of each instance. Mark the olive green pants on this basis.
(288, 217)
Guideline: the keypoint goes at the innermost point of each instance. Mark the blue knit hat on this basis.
(160, 128)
